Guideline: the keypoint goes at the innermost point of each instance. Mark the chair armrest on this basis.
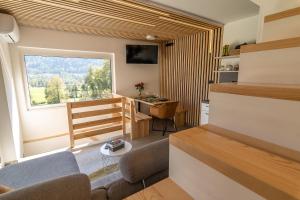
(73, 187)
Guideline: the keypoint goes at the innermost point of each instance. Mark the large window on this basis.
(55, 80)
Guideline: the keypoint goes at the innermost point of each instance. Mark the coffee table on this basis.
(107, 155)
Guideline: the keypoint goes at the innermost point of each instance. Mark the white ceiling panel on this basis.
(222, 11)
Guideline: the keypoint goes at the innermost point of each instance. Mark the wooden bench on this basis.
(92, 118)
(140, 123)
(180, 116)
(140, 126)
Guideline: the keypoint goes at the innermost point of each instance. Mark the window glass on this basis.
(55, 80)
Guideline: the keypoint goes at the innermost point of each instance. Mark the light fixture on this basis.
(151, 37)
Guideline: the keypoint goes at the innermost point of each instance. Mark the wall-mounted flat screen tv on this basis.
(141, 54)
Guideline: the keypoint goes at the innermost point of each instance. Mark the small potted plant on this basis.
(139, 87)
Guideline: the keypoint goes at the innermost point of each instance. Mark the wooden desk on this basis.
(180, 111)
(144, 101)
(163, 190)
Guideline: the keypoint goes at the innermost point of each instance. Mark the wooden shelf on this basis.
(269, 175)
(228, 57)
(285, 92)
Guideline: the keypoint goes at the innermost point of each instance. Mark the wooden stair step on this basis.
(284, 14)
(255, 142)
(269, 175)
(274, 91)
(271, 45)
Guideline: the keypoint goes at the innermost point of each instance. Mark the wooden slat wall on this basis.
(186, 68)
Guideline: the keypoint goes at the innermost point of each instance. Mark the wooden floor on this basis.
(163, 190)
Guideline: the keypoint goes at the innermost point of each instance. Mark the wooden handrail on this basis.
(272, 45)
(284, 92)
(111, 113)
(98, 122)
(271, 176)
(96, 102)
(283, 14)
(97, 132)
(96, 112)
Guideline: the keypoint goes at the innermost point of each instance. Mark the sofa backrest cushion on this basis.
(146, 161)
(72, 187)
(39, 170)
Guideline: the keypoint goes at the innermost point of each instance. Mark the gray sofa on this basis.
(57, 177)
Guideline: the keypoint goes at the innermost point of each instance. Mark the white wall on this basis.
(39, 123)
(239, 32)
(9, 118)
(6, 135)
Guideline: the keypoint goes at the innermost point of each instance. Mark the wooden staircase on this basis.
(251, 148)
(269, 175)
(285, 92)
(282, 25)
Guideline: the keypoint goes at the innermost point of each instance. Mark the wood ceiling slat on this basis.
(56, 22)
(178, 15)
(43, 12)
(114, 18)
(104, 6)
(88, 12)
(118, 12)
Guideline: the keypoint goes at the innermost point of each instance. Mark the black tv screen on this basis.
(141, 54)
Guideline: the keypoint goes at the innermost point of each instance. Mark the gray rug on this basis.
(89, 158)
(100, 173)
(90, 161)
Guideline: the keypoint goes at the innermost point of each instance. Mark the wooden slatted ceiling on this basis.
(186, 68)
(115, 18)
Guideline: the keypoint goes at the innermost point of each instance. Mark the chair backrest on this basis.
(166, 109)
(91, 118)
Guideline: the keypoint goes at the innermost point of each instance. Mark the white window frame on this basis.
(28, 51)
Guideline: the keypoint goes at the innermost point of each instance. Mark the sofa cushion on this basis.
(73, 187)
(99, 194)
(145, 161)
(39, 170)
(121, 189)
(156, 177)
